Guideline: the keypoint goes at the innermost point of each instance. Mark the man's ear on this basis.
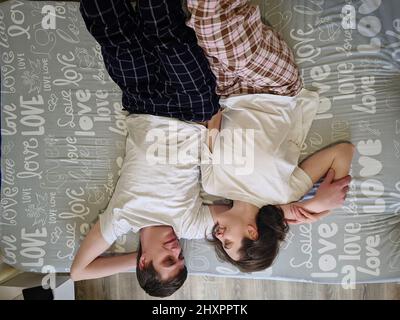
(142, 262)
(253, 232)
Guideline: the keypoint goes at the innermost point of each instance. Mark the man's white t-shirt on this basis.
(255, 155)
(151, 193)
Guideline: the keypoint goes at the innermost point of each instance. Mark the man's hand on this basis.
(331, 194)
(215, 121)
(214, 126)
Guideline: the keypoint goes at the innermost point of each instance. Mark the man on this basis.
(154, 58)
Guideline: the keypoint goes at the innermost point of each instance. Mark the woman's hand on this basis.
(331, 194)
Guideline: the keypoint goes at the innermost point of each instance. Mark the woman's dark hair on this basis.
(257, 255)
(151, 283)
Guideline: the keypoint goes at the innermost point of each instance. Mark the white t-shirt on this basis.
(150, 194)
(264, 165)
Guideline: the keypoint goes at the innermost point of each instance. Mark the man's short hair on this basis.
(151, 282)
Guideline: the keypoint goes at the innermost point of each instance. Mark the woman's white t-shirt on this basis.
(255, 155)
(149, 192)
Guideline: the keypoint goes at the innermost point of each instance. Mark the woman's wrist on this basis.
(286, 211)
(313, 205)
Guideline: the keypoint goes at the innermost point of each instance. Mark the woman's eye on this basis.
(227, 245)
(216, 228)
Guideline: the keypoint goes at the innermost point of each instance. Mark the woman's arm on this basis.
(338, 157)
(295, 213)
(335, 162)
(87, 263)
(333, 189)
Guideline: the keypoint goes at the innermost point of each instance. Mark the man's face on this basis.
(161, 247)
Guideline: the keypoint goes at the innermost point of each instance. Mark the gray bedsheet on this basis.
(63, 139)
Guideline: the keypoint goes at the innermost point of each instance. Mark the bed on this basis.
(63, 139)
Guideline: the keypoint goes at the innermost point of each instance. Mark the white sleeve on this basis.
(111, 227)
(300, 184)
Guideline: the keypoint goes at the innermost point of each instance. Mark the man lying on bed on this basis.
(161, 201)
(154, 58)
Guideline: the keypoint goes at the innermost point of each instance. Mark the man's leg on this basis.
(189, 80)
(247, 56)
(127, 58)
(112, 23)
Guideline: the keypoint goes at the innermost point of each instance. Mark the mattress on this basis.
(63, 138)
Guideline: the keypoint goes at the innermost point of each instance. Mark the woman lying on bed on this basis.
(251, 61)
(248, 233)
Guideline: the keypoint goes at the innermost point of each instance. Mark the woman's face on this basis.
(230, 230)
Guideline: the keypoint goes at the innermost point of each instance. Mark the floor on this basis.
(125, 286)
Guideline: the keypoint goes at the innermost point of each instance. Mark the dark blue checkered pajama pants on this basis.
(153, 57)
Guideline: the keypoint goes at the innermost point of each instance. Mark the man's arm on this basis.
(89, 265)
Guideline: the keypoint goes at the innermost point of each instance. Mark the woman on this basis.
(257, 75)
(248, 234)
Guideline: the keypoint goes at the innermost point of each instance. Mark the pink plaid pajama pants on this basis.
(245, 55)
